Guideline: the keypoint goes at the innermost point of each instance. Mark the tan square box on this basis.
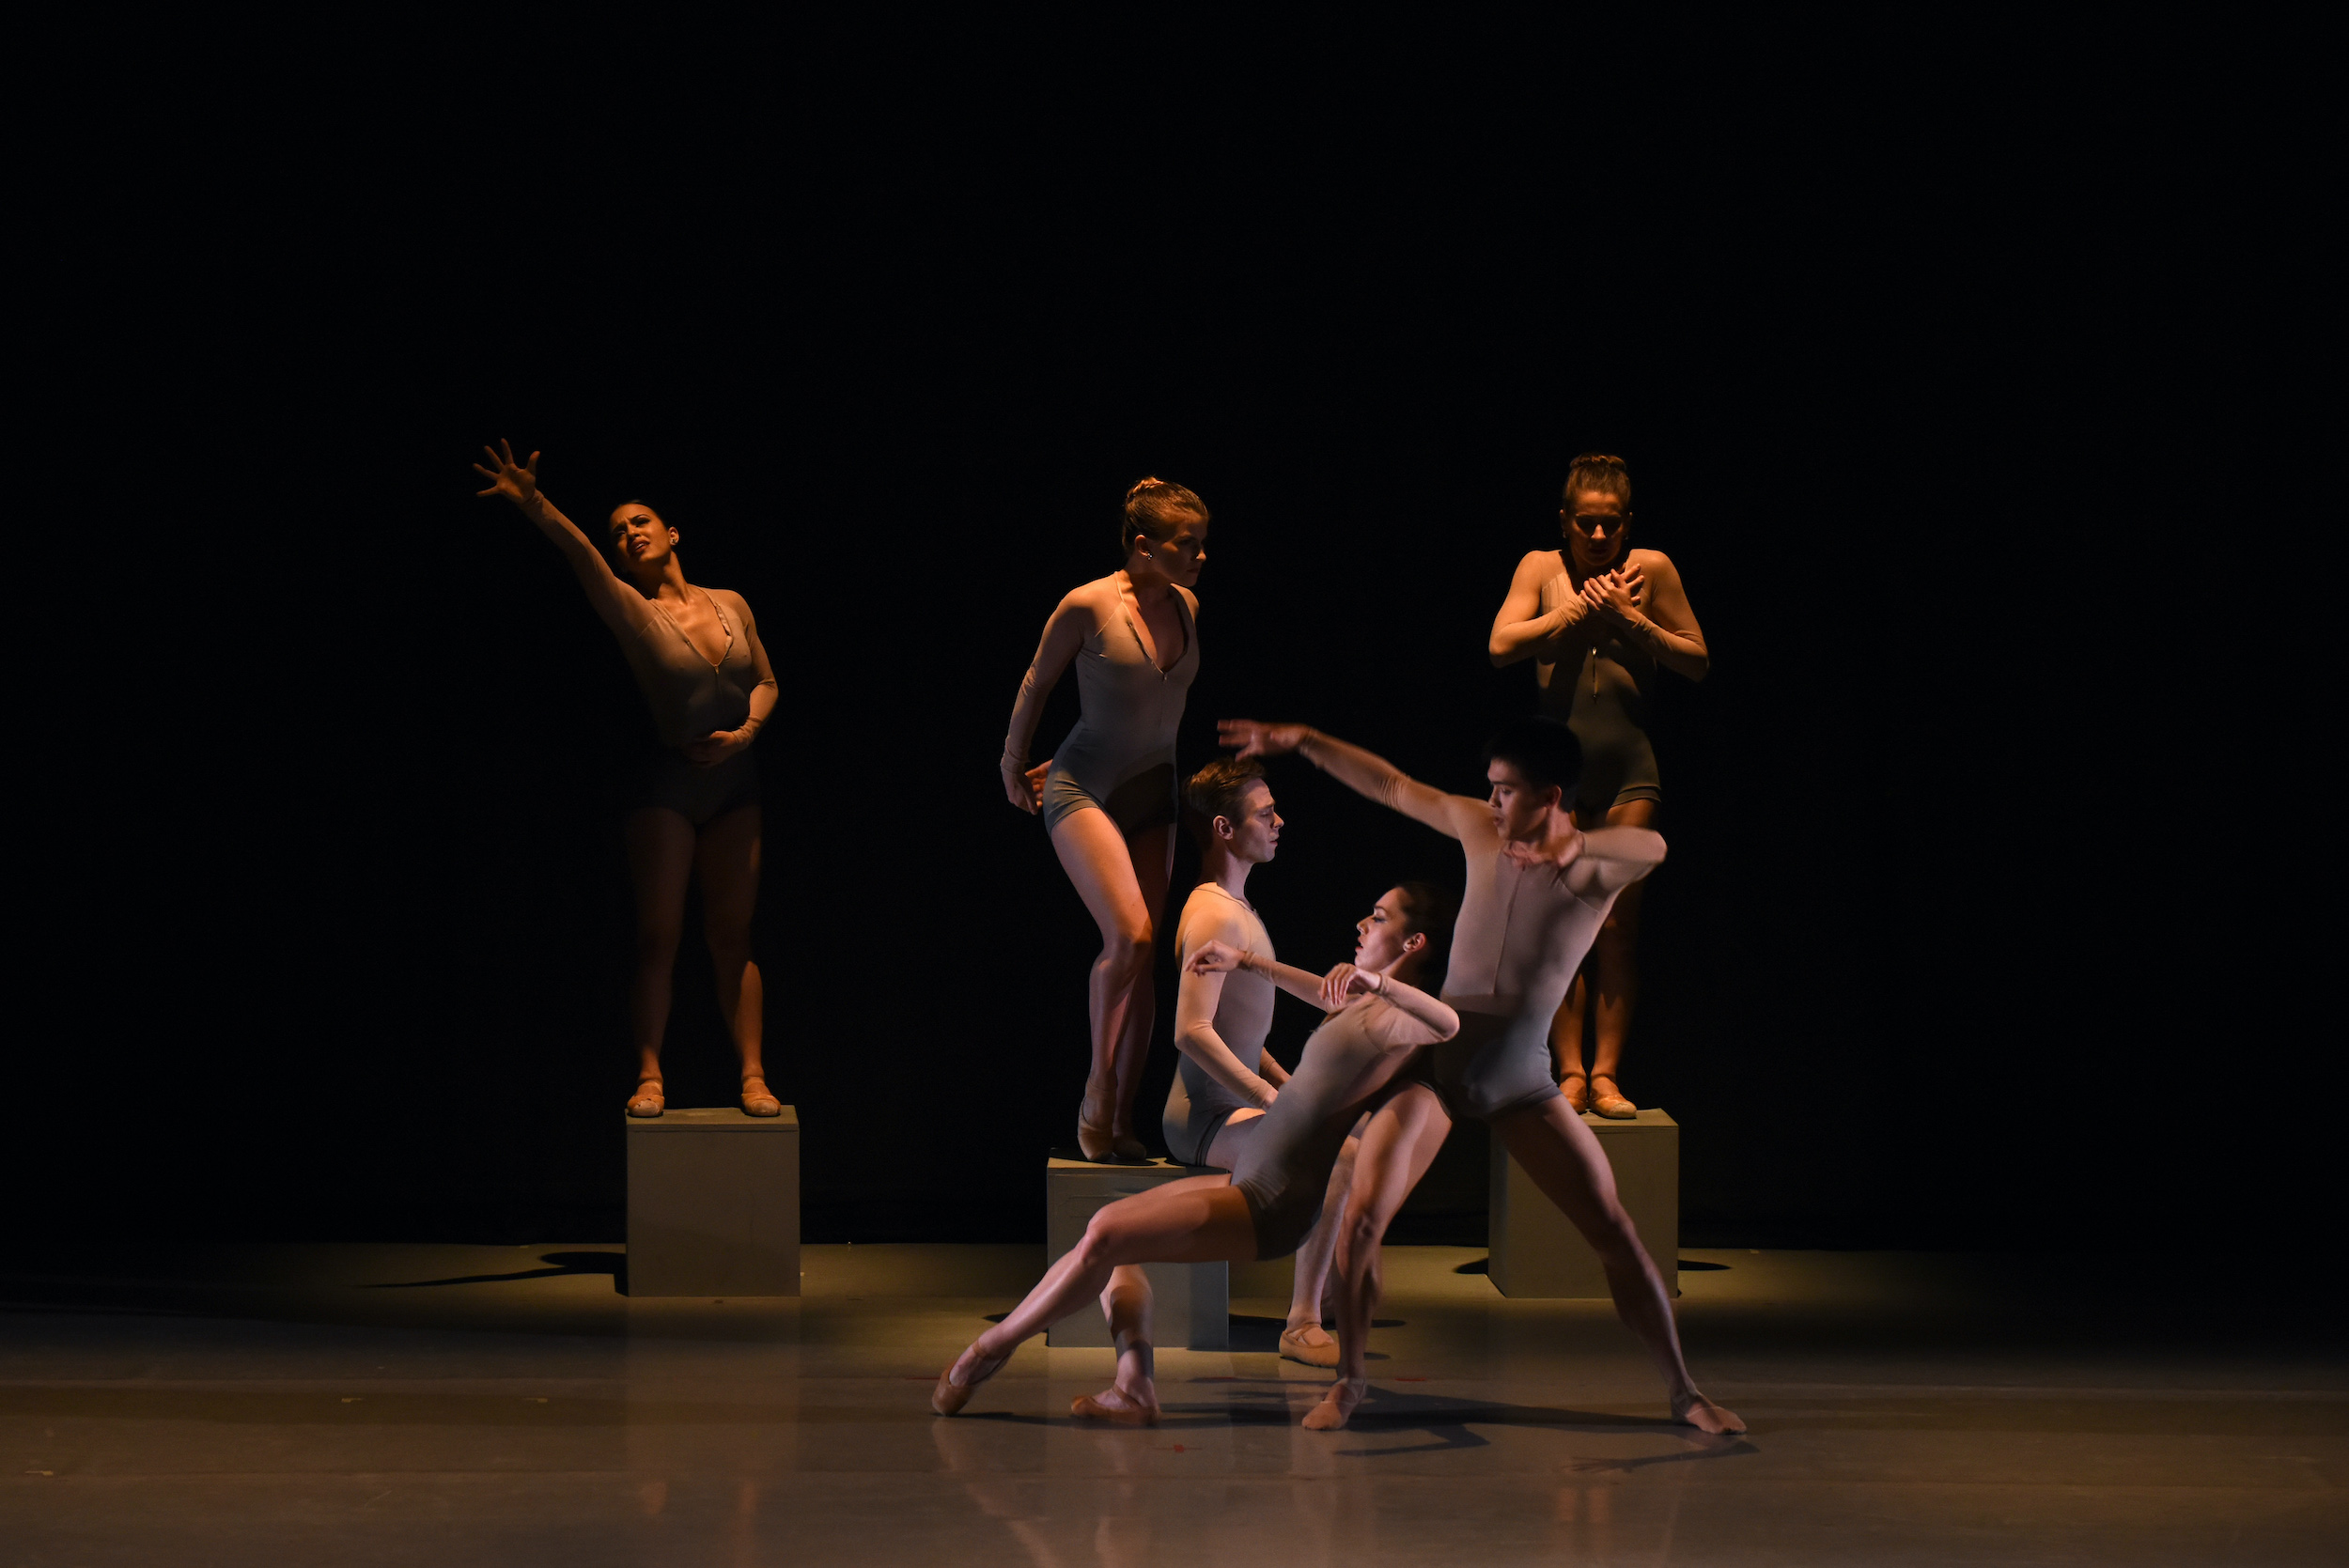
(713, 1203)
(1537, 1253)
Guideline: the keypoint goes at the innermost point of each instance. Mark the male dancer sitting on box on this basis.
(1538, 889)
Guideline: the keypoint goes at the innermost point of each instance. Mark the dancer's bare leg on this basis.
(1096, 856)
(1612, 970)
(726, 860)
(1133, 1397)
(1304, 1339)
(1565, 1041)
(659, 844)
(1397, 1148)
(1197, 1219)
(1153, 852)
(1562, 1156)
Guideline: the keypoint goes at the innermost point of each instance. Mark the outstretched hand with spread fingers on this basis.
(517, 482)
(1256, 738)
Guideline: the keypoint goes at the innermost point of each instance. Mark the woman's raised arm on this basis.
(622, 608)
(1071, 622)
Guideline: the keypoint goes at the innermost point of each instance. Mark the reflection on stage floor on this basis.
(481, 1404)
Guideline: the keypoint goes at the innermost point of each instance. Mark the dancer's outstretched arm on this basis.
(621, 607)
(1334, 990)
(1363, 773)
(1065, 633)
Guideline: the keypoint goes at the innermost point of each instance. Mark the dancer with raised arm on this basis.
(1225, 1081)
(1379, 1023)
(1600, 619)
(1538, 887)
(1107, 796)
(693, 800)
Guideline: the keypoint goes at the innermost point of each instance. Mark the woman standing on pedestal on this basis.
(1600, 619)
(1108, 794)
(694, 801)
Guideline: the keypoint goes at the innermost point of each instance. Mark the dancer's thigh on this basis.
(1196, 1220)
(1240, 1130)
(1397, 1147)
(1095, 855)
(1562, 1156)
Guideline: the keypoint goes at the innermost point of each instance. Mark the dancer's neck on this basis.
(1226, 870)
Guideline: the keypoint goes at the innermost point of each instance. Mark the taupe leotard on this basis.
(1351, 1059)
(692, 699)
(1603, 700)
(1198, 1103)
(1120, 756)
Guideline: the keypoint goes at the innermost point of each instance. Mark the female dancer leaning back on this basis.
(1600, 619)
(694, 801)
(1379, 1023)
(1108, 794)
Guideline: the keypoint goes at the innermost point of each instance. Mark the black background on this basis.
(1904, 359)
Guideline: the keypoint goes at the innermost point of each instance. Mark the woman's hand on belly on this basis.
(714, 749)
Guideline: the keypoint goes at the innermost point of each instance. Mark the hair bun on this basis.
(1598, 459)
(1141, 484)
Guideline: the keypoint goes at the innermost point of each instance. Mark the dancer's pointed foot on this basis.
(1096, 1141)
(1702, 1413)
(1312, 1344)
(1137, 1405)
(1575, 1086)
(1338, 1405)
(757, 1101)
(1609, 1102)
(959, 1381)
(647, 1101)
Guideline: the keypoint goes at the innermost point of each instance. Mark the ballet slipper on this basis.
(759, 1102)
(646, 1103)
(1610, 1103)
(1131, 1149)
(1121, 1406)
(1295, 1346)
(950, 1396)
(1702, 1413)
(1575, 1086)
(1102, 1146)
(1337, 1406)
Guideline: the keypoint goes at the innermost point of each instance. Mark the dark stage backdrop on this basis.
(1910, 972)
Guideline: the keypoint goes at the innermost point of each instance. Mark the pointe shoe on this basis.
(1103, 1147)
(1610, 1103)
(1575, 1086)
(1130, 1148)
(647, 1102)
(759, 1102)
(1296, 1348)
(1126, 1412)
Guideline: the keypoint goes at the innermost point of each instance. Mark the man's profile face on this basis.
(1519, 809)
(1256, 827)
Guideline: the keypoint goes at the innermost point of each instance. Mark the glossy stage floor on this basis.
(457, 1405)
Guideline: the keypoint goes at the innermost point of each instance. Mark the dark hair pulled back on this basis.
(1431, 909)
(1601, 472)
(1155, 509)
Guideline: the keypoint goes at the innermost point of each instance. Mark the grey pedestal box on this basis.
(1190, 1302)
(713, 1203)
(1537, 1253)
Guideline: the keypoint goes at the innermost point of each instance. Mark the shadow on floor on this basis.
(613, 1264)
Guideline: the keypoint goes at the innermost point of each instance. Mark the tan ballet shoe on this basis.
(1575, 1086)
(1296, 1348)
(1103, 1147)
(646, 1103)
(949, 1396)
(1610, 1103)
(1131, 1149)
(1126, 1412)
(758, 1102)
(1337, 1406)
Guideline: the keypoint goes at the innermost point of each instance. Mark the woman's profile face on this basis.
(1595, 525)
(1181, 555)
(640, 540)
(1383, 932)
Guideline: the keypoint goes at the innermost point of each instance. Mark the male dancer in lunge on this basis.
(1538, 889)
